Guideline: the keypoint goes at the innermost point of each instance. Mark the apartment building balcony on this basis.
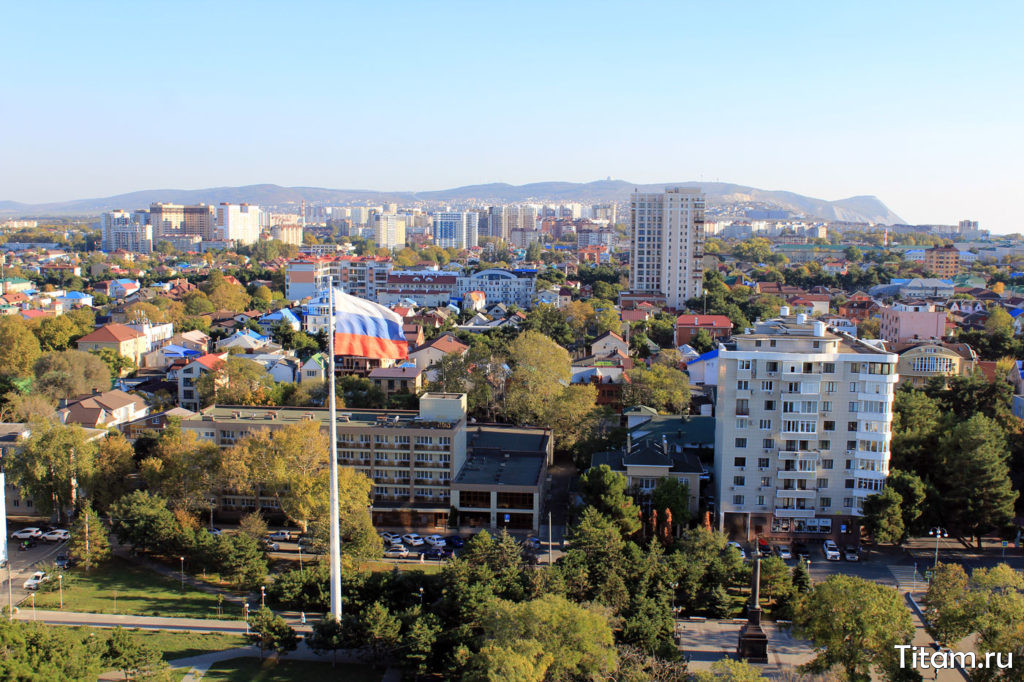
(793, 513)
(796, 475)
(794, 494)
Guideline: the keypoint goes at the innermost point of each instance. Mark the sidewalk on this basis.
(103, 620)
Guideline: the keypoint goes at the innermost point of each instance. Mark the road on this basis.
(23, 563)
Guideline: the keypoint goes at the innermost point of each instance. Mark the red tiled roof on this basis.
(210, 361)
(112, 333)
(713, 321)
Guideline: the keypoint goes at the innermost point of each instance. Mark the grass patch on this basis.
(139, 592)
(172, 645)
(246, 669)
(428, 567)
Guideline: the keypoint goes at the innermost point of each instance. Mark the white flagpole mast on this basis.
(335, 547)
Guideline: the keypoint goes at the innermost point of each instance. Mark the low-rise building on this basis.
(102, 410)
(920, 361)
(122, 339)
(687, 327)
(402, 379)
(910, 321)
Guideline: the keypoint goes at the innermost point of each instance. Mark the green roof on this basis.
(691, 429)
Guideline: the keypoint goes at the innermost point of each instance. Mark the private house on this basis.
(402, 379)
(102, 410)
(122, 339)
(687, 327)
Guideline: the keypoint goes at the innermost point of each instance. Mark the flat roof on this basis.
(499, 455)
(235, 414)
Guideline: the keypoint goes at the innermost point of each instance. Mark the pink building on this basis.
(902, 322)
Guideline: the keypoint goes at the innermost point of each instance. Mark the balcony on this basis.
(796, 494)
(794, 513)
(796, 475)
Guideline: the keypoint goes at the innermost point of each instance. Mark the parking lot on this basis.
(25, 562)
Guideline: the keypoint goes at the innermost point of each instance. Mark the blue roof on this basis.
(251, 334)
(283, 314)
(126, 281)
(711, 354)
(180, 351)
(76, 294)
(1015, 313)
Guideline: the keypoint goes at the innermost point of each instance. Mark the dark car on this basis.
(437, 553)
(800, 551)
(64, 560)
(454, 541)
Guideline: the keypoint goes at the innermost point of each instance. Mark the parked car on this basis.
(62, 560)
(214, 531)
(437, 553)
(27, 534)
(783, 552)
(59, 535)
(532, 542)
(280, 535)
(412, 539)
(271, 546)
(37, 579)
(831, 550)
(396, 552)
(739, 548)
(455, 541)
(852, 553)
(801, 551)
(390, 538)
(435, 541)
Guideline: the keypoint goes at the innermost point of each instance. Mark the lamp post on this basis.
(674, 586)
(938, 533)
(263, 596)
(421, 597)
(33, 606)
(60, 585)
(301, 573)
(182, 573)
(245, 614)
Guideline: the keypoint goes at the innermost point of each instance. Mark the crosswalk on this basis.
(907, 577)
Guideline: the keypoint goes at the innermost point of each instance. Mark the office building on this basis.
(357, 275)
(668, 244)
(239, 223)
(802, 431)
(455, 230)
(500, 286)
(126, 231)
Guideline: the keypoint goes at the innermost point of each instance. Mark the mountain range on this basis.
(853, 209)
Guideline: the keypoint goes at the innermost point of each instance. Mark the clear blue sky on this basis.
(919, 103)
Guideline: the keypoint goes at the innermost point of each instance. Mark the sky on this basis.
(917, 103)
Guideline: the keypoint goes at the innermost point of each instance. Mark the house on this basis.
(406, 378)
(842, 325)
(912, 320)
(815, 304)
(920, 361)
(156, 334)
(102, 410)
(188, 372)
(607, 380)
(608, 342)
(122, 339)
(703, 369)
(246, 341)
(687, 327)
(315, 368)
(429, 354)
(122, 288)
(76, 299)
(282, 316)
(154, 424)
(165, 356)
(413, 335)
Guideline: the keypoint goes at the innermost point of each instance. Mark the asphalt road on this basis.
(23, 563)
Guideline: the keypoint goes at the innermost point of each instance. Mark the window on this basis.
(741, 442)
(851, 426)
(851, 445)
(824, 445)
(742, 385)
(743, 407)
(822, 483)
(739, 480)
(853, 387)
(737, 499)
(828, 367)
(743, 364)
(828, 425)
(830, 387)
(768, 443)
(826, 406)
(848, 483)
(769, 405)
(767, 385)
(826, 502)
(765, 424)
(760, 500)
(847, 501)
(772, 366)
(739, 461)
(762, 462)
(742, 422)
(766, 481)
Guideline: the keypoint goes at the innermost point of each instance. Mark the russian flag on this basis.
(366, 329)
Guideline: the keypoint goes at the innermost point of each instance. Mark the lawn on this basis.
(246, 669)
(173, 645)
(137, 591)
(428, 567)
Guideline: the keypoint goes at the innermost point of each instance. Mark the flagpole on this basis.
(335, 547)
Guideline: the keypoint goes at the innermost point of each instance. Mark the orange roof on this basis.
(446, 343)
(210, 361)
(112, 333)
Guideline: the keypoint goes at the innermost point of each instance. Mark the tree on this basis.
(89, 538)
(579, 640)
(143, 521)
(776, 579)
(42, 653)
(702, 342)
(853, 254)
(117, 364)
(19, 347)
(664, 388)
(183, 468)
(607, 319)
(717, 602)
(974, 476)
(801, 577)
(605, 490)
(573, 416)
(541, 368)
(263, 293)
(883, 516)
(729, 670)
(57, 333)
(224, 295)
(419, 639)
(999, 322)
(70, 373)
(237, 382)
(378, 630)
(949, 604)
(328, 635)
(522, 661)
(253, 525)
(547, 320)
(240, 560)
(132, 656)
(197, 303)
(113, 463)
(854, 625)
(270, 631)
(49, 464)
(672, 494)
(533, 252)
(911, 490)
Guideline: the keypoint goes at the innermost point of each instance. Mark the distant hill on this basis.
(852, 209)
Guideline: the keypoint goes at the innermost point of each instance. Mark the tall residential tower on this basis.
(668, 244)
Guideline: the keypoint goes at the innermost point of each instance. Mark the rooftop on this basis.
(500, 455)
(239, 414)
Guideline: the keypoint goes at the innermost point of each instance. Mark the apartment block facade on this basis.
(944, 261)
(357, 275)
(240, 223)
(124, 230)
(668, 244)
(456, 230)
(802, 432)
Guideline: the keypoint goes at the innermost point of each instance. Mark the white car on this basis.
(27, 534)
(396, 552)
(435, 541)
(390, 538)
(412, 539)
(831, 550)
(783, 552)
(743, 554)
(33, 583)
(59, 535)
(280, 535)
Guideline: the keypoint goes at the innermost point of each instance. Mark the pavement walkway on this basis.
(105, 620)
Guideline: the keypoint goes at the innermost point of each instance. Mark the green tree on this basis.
(57, 333)
(49, 464)
(801, 577)
(237, 382)
(883, 516)
(911, 490)
(950, 607)
(89, 540)
(378, 630)
(672, 494)
(70, 373)
(113, 464)
(240, 560)
(521, 661)
(729, 670)
(664, 388)
(197, 303)
(132, 656)
(142, 520)
(19, 347)
(183, 469)
(117, 364)
(776, 579)
(328, 636)
(540, 369)
(38, 653)
(855, 626)
(270, 631)
(702, 342)
(717, 602)
(547, 320)
(419, 639)
(605, 490)
(253, 525)
(223, 294)
(533, 252)
(974, 476)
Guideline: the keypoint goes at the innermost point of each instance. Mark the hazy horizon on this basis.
(912, 103)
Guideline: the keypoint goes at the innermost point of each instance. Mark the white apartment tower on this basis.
(389, 230)
(455, 230)
(668, 244)
(802, 431)
(127, 231)
(240, 223)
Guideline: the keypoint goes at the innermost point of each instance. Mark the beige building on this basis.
(944, 261)
(803, 420)
(668, 244)
(389, 230)
(176, 220)
(922, 360)
(131, 343)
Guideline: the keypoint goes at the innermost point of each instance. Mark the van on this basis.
(831, 550)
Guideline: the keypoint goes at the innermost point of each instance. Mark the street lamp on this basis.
(421, 596)
(60, 584)
(263, 596)
(33, 606)
(674, 586)
(245, 609)
(182, 573)
(938, 533)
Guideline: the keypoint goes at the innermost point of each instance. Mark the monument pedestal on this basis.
(753, 644)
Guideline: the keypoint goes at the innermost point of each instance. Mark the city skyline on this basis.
(908, 103)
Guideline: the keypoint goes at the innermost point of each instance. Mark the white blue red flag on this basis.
(366, 329)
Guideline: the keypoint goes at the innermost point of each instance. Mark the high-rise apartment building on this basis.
(240, 223)
(127, 231)
(357, 275)
(944, 261)
(176, 220)
(668, 244)
(802, 431)
(389, 230)
(455, 230)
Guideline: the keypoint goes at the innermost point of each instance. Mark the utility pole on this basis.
(335, 544)
(549, 539)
